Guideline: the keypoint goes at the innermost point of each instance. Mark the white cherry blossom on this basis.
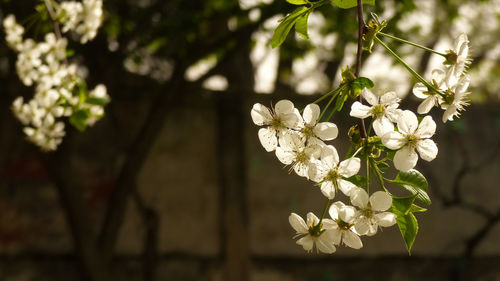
(276, 122)
(456, 98)
(331, 174)
(384, 110)
(345, 217)
(313, 232)
(294, 151)
(411, 136)
(372, 211)
(313, 130)
(458, 56)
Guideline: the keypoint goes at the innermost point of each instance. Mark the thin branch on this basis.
(361, 28)
(55, 23)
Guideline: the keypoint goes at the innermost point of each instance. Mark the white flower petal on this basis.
(405, 159)
(359, 110)
(283, 107)
(326, 131)
(291, 140)
(419, 89)
(389, 98)
(382, 125)
(349, 167)
(261, 115)
(290, 120)
(394, 140)
(385, 219)
(306, 242)
(407, 122)
(380, 201)
(426, 128)
(286, 157)
(352, 240)
(346, 187)
(325, 244)
(370, 97)
(347, 214)
(328, 189)
(334, 210)
(311, 114)
(362, 227)
(329, 156)
(298, 223)
(302, 169)
(426, 105)
(449, 113)
(312, 219)
(427, 149)
(359, 198)
(335, 236)
(268, 139)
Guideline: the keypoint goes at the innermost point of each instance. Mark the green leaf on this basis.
(358, 180)
(402, 205)
(417, 209)
(339, 103)
(361, 83)
(296, 2)
(414, 182)
(346, 4)
(382, 165)
(301, 25)
(97, 101)
(408, 226)
(286, 24)
(79, 119)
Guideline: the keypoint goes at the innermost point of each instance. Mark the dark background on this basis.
(173, 184)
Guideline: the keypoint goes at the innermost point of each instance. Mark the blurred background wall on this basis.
(173, 184)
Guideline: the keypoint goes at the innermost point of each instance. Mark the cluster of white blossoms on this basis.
(299, 142)
(451, 81)
(84, 18)
(58, 87)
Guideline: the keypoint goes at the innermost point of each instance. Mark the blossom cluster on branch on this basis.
(59, 89)
(399, 136)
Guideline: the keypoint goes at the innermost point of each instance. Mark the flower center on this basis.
(378, 110)
(367, 212)
(412, 141)
(277, 124)
(449, 96)
(332, 176)
(301, 157)
(343, 225)
(315, 230)
(451, 58)
(308, 131)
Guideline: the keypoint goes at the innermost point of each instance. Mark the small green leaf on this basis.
(79, 119)
(346, 4)
(301, 25)
(358, 180)
(70, 53)
(362, 82)
(408, 226)
(296, 2)
(285, 26)
(414, 182)
(402, 205)
(339, 103)
(382, 165)
(97, 101)
(417, 209)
